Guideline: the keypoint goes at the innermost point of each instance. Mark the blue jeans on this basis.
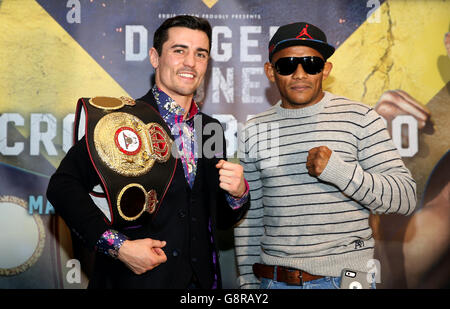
(322, 283)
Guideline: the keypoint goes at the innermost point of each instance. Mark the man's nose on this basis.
(299, 73)
(189, 59)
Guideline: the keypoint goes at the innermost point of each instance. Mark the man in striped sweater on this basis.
(317, 165)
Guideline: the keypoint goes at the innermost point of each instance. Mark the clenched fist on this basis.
(317, 160)
(231, 178)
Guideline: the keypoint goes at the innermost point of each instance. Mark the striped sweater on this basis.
(317, 224)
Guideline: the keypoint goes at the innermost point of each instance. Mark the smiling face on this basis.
(299, 89)
(180, 68)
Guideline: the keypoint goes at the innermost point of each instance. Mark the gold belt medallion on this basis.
(129, 146)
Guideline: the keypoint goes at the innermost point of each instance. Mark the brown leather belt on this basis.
(283, 274)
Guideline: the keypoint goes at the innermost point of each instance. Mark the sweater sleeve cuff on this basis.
(338, 172)
(110, 243)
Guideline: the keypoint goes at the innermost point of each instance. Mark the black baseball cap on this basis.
(300, 34)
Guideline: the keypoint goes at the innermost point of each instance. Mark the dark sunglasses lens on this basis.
(312, 65)
(288, 65)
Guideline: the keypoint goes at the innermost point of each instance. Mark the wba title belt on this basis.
(129, 145)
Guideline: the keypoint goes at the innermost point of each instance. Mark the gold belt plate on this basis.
(124, 144)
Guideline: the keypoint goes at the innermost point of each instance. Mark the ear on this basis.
(326, 70)
(268, 68)
(154, 57)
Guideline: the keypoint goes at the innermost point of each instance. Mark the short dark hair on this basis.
(186, 21)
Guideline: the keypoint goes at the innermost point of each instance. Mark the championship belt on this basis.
(130, 147)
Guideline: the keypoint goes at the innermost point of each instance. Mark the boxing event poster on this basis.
(392, 55)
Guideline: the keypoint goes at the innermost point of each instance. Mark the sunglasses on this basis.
(311, 65)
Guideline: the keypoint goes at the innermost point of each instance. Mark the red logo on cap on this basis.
(304, 32)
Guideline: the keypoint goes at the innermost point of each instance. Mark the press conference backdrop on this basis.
(54, 52)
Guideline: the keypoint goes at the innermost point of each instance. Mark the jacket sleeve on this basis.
(227, 217)
(68, 192)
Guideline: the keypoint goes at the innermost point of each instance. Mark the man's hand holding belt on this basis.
(142, 255)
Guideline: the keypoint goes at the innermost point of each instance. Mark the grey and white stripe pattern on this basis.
(319, 225)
